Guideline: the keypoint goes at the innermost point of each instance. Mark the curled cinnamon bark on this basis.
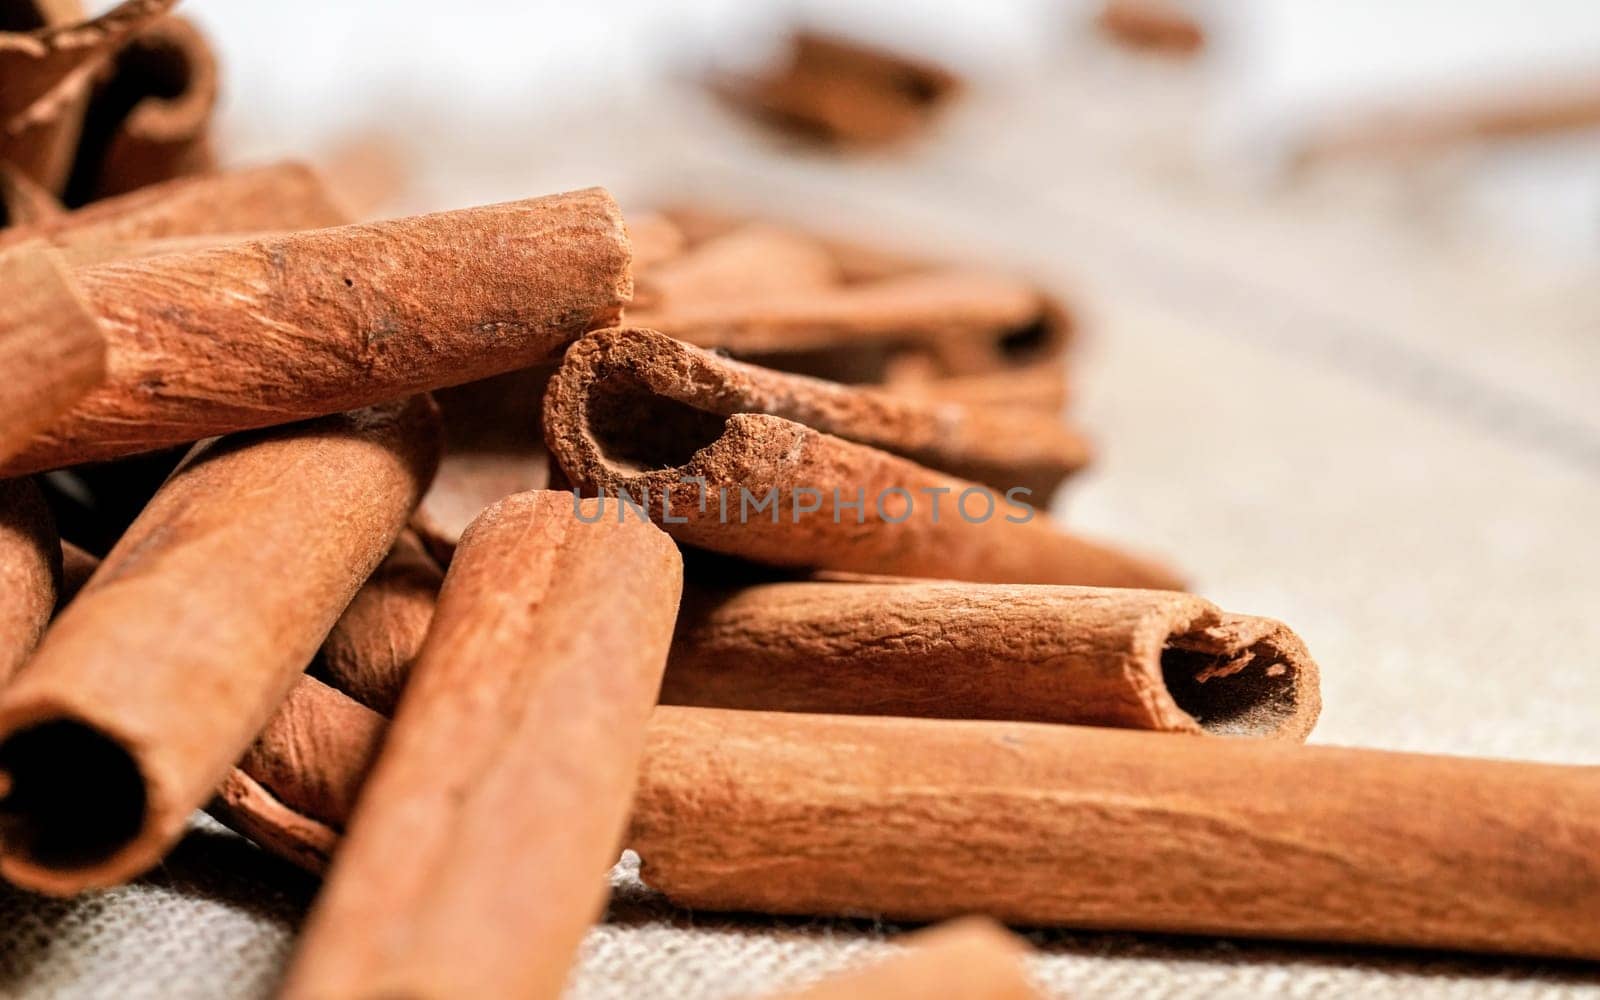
(773, 491)
(915, 819)
(274, 330)
(1127, 658)
(282, 196)
(30, 572)
(475, 859)
(156, 677)
(149, 120)
(968, 959)
(52, 63)
(42, 150)
(663, 394)
(52, 349)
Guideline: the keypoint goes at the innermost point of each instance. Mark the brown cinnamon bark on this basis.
(968, 959)
(43, 150)
(30, 572)
(1159, 26)
(156, 677)
(282, 196)
(655, 237)
(914, 819)
(774, 491)
(372, 647)
(1127, 658)
(269, 331)
(149, 120)
(494, 447)
(754, 260)
(22, 201)
(52, 350)
(842, 91)
(475, 860)
(640, 384)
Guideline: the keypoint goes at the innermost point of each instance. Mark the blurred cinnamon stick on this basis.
(265, 332)
(52, 349)
(22, 201)
(158, 675)
(1126, 658)
(149, 119)
(1158, 26)
(968, 959)
(282, 196)
(751, 261)
(475, 860)
(42, 150)
(638, 394)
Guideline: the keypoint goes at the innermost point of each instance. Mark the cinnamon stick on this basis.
(269, 331)
(968, 959)
(753, 260)
(914, 819)
(22, 201)
(1127, 658)
(52, 350)
(475, 860)
(773, 491)
(30, 572)
(149, 120)
(639, 391)
(1158, 26)
(655, 237)
(53, 62)
(282, 196)
(156, 677)
(372, 647)
(42, 150)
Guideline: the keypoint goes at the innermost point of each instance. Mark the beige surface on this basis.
(1384, 432)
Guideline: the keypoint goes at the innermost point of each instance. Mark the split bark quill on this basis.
(296, 326)
(529, 702)
(1125, 658)
(104, 763)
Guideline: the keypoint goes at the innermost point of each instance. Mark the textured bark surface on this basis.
(372, 647)
(30, 572)
(283, 196)
(475, 859)
(968, 959)
(767, 455)
(635, 398)
(52, 349)
(149, 120)
(158, 675)
(920, 820)
(1127, 658)
(494, 447)
(50, 66)
(265, 332)
(22, 201)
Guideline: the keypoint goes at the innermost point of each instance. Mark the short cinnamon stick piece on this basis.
(915, 819)
(279, 197)
(157, 676)
(30, 572)
(475, 860)
(149, 120)
(1133, 659)
(52, 349)
(640, 383)
(773, 491)
(265, 332)
(968, 959)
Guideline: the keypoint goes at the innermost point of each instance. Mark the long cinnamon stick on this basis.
(1102, 828)
(475, 860)
(52, 350)
(774, 491)
(149, 120)
(968, 959)
(30, 572)
(1128, 658)
(640, 384)
(156, 677)
(260, 333)
(282, 196)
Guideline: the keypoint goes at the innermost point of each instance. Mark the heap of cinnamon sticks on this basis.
(450, 555)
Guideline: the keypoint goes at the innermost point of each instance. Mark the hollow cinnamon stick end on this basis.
(1245, 676)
